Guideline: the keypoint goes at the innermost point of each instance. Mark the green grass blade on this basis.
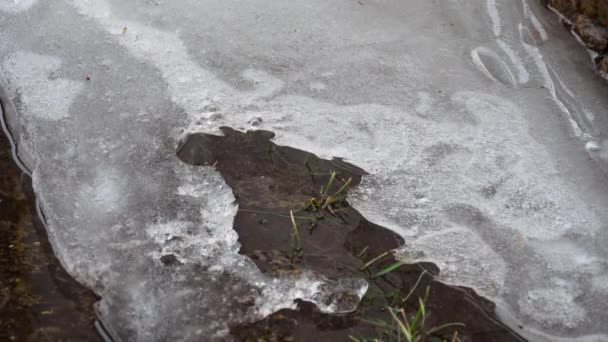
(377, 323)
(426, 294)
(330, 182)
(420, 314)
(443, 326)
(389, 269)
(404, 319)
(344, 186)
(402, 328)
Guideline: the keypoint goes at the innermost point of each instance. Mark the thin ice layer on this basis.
(16, 5)
(119, 254)
(111, 222)
(463, 125)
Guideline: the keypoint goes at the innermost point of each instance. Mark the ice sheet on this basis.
(479, 122)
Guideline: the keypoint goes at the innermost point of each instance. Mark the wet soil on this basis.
(268, 182)
(39, 301)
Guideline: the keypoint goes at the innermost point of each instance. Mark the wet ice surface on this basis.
(480, 123)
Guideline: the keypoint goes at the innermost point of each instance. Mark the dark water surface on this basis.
(39, 301)
(268, 182)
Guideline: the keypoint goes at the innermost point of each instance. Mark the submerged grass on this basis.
(329, 201)
(389, 269)
(401, 326)
(383, 271)
(409, 328)
(295, 248)
(397, 325)
(333, 202)
(374, 260)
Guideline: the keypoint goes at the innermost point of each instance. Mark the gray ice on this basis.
(481, 124)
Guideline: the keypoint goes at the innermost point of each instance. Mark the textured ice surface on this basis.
(480, 122)
(34, 77)
(16, 5)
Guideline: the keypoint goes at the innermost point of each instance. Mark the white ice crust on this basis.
(479, 153)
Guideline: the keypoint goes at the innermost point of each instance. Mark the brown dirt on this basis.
(270, 180)
(39, 301)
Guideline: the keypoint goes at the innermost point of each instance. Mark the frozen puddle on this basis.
(472, 118)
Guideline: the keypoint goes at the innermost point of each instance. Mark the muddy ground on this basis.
(39, 301)
(269, 182)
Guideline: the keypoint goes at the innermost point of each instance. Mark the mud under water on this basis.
(268, 182)
(39, 301)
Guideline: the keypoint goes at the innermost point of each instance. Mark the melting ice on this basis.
(479, 122)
